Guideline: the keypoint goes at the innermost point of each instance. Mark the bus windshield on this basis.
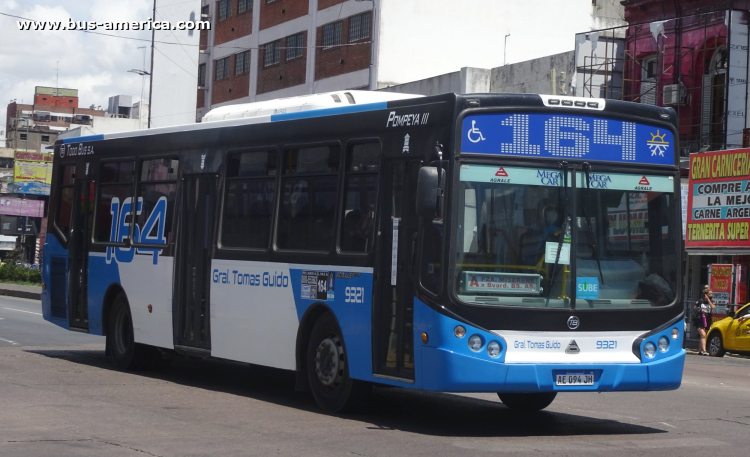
(515, 231)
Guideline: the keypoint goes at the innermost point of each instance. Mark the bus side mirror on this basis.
(430, 192)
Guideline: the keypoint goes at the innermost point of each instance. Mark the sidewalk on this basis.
(17, 290)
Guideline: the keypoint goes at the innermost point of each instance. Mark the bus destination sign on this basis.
(563, 136)
(505, 283)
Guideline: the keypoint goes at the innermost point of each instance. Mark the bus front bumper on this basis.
(454, 372)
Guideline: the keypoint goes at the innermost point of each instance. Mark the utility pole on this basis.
(151, 81)
(140, 105)
(505, 46)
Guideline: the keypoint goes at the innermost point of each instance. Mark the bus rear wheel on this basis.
(126, 353)
(328, 370)
(527, 402)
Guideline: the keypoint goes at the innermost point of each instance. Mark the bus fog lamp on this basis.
(476, 343)
(650, 350)
(663, 344)
(459, 331)
(493, 349)
(675, 333)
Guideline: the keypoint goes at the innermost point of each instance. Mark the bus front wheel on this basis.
(328, 370)
(527, 401)
(126, 353)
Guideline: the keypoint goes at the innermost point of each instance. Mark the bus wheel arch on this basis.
(306, 324)
(113, 290)
(121, 345)
(327, 366)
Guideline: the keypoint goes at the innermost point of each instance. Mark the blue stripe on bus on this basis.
(329, 111)
(81, 139)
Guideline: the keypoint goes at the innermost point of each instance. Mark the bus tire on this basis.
(716, 345)
(126, 353)
(328, 370)
(527, 402)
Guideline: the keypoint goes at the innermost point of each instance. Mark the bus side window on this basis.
(308, 206)
(157, 185)
(65, 205)
(115, 186)
(360, 197)
(248, 206)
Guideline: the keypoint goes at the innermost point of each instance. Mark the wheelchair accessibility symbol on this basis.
(475, 136)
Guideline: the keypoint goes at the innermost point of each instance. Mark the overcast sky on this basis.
(95, 65)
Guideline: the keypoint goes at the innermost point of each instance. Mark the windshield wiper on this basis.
(587, 171)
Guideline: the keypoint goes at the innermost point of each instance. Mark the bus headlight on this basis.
(650, 350)
(493, 349)
(675, 333)
(663, 344)
(476, 343)
(459, 331)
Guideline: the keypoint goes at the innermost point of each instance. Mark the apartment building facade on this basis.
(265, 49)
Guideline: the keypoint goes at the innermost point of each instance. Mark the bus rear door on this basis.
(191, 307)
(82, 219)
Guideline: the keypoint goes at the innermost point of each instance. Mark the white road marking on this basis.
(668, 425)
(9, 341)
(22, 311)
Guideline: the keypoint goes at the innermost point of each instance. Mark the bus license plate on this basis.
(578, 378)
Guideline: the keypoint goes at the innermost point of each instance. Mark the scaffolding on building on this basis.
(681, 63)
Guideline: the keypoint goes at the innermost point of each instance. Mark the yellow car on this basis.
(730, 334)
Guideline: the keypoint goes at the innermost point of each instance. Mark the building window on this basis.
(242, 63)
(294, 46)
(45, 138)
(222, 69)
(359, 27)
(202, 75)
(23, 136)
(225, 9)
(244, 5)
(332, 35)
(271, 53)
(648, 80)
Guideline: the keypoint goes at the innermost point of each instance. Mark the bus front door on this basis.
(191, 307)
(393, 332)
(82, 219)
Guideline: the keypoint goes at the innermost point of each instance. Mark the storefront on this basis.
(717, 237)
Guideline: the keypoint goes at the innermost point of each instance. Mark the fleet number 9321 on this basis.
(606, 344)
(354, 294)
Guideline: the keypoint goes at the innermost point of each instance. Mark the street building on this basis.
(260, 50)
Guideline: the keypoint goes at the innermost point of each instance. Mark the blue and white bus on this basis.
(519, 244)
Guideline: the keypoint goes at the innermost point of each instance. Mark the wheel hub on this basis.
(329, 361)
(715, 345)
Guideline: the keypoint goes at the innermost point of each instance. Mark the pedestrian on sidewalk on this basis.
(702, 317)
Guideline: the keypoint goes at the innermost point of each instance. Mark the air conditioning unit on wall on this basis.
(673, 95)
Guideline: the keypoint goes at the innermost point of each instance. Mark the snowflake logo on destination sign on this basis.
(657, 145)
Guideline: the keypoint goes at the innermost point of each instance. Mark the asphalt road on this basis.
(60, 396)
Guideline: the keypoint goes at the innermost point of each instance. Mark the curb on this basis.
(21, 294)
